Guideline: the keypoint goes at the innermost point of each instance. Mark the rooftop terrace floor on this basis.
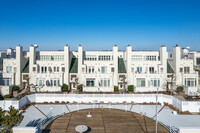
(104, 121)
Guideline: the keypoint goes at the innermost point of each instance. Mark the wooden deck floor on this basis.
(104, 121)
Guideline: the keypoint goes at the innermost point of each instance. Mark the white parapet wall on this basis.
(192, 106)
(189, 130)
(24, 129)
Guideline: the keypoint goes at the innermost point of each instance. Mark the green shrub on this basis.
(80, 87)
(180, 89)
(116, 88)
(7, 96)
(131, 88)
(65, 88)
(1, 97)
(16, 88)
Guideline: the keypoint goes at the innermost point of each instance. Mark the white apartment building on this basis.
(100, 71)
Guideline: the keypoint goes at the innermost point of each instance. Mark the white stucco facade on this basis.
(100, 71)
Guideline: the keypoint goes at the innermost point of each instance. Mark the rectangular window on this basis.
(112, 69)
(104, 57)
(90, 57)
(139, 69)
(136, 57)
(155, 82)
(39, 81)
(105, 83)
(8, 69)
(34, 69)
(104, 69)
(186, 69)
(91, 69)
(44, 69)
(190, 82)
(151, 69)
(55, 82)
(181, 70)
(141, 82)
(198, 61)
(63, 69)
(90, 82)
(6, 81)
(150, 58)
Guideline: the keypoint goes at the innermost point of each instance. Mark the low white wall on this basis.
(24, 129)
(113, 98)
(5, 90)
(189, 130)
(5, 104)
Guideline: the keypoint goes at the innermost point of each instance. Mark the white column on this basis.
(19, 54)
(128, 64)
(115, 63)
(66, 62)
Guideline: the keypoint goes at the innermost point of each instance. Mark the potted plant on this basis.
(65, 88)
(116, 89)
(180, 90)
(16, 90)
(80, 88)
(131, 88)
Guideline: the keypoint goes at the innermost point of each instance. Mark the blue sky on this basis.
(100, 24)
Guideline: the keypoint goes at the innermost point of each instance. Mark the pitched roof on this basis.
(74, 66)
(26, 67)
(169, 68)
(121, 66)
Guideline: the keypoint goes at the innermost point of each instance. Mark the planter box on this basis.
(181, 93)
(15, 93)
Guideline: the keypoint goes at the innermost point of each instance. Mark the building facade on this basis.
(100, 71)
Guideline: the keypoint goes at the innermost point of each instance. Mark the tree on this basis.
(11, 119)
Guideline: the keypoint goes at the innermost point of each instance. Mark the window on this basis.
(105, 83)
(34, 69)
(155, 82)
(45, 57)
(50, 69)
(139, 69)
(39, 81)
(186, 69)
(141, 82)
(8, 69)
(150, 58)
(63, 69)
(90, 82)
(91, 69)
(90, 57)
(44, 69)
(136, 57)
(57, 57)
(181, 70)
(104, 57)
(112, 69)
(104, 69)
(190, 82)
(6, 81)
(55, 82)
(151, 69)
(198, 61)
